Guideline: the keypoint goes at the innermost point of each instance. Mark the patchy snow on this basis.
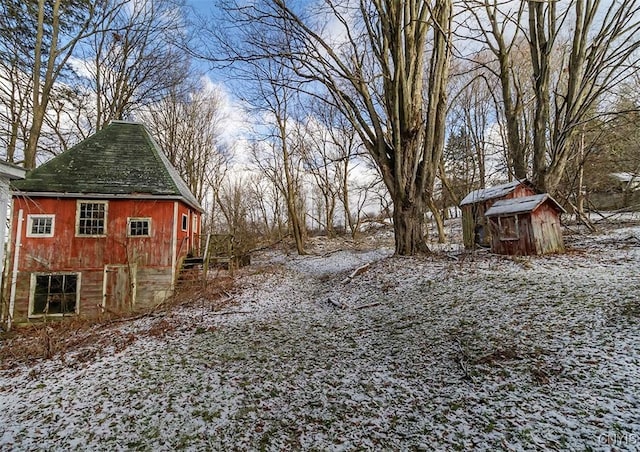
(458, 351)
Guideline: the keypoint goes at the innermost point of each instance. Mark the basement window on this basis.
(92, 217)
(54, 294)
(508, 228)
(40, 225)
(139, 227)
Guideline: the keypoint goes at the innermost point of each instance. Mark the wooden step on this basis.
(191, 262)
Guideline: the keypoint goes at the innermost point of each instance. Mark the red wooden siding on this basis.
(539, 233)
(547, 230)
(147, 262)
(473, 215)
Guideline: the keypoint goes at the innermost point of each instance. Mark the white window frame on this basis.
(106, 217)
(185, 222)
(32, 293)
(131, 219)
(30, 220)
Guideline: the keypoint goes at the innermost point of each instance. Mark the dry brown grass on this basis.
(43, 340)
(78, 340)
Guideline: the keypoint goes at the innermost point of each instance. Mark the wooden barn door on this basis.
(119, 288)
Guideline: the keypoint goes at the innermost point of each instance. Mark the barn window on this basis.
(54, 294)
(40, 225)
(92, 218)
(139, 227)
(508, 228)
(185, 221)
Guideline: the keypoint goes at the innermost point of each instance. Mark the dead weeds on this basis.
(78, 340)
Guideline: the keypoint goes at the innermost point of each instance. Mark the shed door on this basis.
(119, 287)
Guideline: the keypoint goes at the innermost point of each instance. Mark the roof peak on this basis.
(124, 121)
(115, 160)
(495, 191)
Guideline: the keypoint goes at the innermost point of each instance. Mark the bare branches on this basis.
(374, 60)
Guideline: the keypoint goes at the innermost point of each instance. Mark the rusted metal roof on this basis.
(497, 191)
(521, 205)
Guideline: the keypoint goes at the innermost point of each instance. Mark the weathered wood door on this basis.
(119, 290)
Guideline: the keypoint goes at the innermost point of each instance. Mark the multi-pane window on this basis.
(139, 227)
(54, 294)
(92, 218)
(40, 225)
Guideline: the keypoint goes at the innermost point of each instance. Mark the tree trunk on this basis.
(408, 227)
(580, 195)
(437, 217)
(512, 102)
(540, 44)
(517, 157)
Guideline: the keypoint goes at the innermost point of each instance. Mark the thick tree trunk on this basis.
(408, 227)
(517, 157)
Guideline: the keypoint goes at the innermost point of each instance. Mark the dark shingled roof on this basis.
(121, 159)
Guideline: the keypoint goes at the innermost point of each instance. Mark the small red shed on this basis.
(102, 227)
(527, 225)
(475, 204)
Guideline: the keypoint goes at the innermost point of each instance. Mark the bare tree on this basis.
(320, 158)
(59, 27)
(344, 155)
(187, 124)
(280, 157)
(472, 112)
(267, 205)
(133, 60)
(602, 51)
(498, 26)
(570, 72)
(374, 66)
(235, 205)
(15, 82)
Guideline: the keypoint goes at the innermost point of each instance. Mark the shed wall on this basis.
(473, 214)
(524, 245)
(540, 232)
(547, 230)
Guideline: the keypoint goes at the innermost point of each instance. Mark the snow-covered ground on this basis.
(450, 352)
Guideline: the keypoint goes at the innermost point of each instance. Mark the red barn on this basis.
(103, 227)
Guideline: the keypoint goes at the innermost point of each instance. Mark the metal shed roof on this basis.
(496, 191)
(524, 204)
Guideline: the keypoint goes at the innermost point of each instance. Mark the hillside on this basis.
(455, 351)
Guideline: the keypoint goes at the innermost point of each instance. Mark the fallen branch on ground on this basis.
(364, 306)
(356, 272)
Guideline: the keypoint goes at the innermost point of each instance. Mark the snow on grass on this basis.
(458, 352)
